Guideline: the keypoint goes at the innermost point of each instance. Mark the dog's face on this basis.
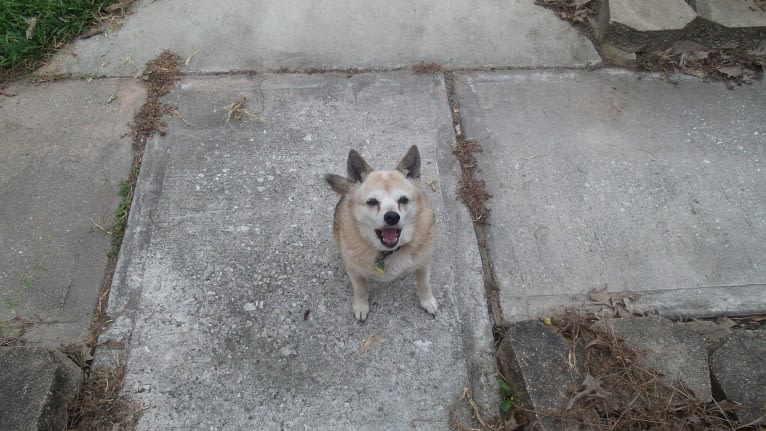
(385, 206)
(385, 203)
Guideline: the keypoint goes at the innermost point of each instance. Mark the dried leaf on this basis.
(598, 341)
(699, 73)
(369, 342)
(726, 322)
(31, 24)
(600, 296)
(116, 6)
(731, 71)
(511, 424)
(633, 308)
(591, 389)
(189, 58)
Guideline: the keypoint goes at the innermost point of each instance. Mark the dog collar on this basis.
(380, 260)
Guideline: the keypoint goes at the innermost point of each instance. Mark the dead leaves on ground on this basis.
(715, 64)
(619, 393)
(240, 113)
(574, 11)
(618, 304)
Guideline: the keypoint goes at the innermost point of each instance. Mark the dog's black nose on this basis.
(391, 218)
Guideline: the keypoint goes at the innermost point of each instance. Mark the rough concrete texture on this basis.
(65, 149)
(722, 23)
(270, 34)
(644, 24)
(618, 180)
(738, 14)
(737, 370)
(37, 386)
(229, 291)
(711, 332)
(534, 361)
(678, 353)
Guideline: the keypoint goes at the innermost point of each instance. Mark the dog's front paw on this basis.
(429, 304)
(361, 309)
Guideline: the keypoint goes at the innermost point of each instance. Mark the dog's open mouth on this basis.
(389, 237)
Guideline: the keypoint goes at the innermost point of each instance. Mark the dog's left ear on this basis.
(357, 168)
(410, 164)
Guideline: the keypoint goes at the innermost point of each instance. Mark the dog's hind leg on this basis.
(427, 300)
(360, 304)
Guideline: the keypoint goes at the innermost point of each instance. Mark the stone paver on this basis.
(534, 359)
(673, 350)
(737, 369)
(65, 148)
(614, 179)
(44, 382)
(643, 25)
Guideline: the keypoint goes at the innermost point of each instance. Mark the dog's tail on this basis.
(340, 184)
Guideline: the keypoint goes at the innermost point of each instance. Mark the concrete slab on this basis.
(737, 372)
(670, 348)
(533, 358)
(733, 14)
(617, 180)
(230, 295)
(37, 387)
(642, 25)
(65, 149)
(727, 24)
(264, 35)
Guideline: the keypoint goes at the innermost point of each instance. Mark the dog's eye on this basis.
(372, 202)
(403, 200)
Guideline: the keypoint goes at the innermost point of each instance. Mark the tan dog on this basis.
(384, 227)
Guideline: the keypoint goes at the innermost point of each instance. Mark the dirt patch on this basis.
(100, 406)
(472, 190)
(735, 66)
(618, 393)
(160, 75)
(576, 12)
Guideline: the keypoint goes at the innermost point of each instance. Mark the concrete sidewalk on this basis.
(269, 35)
(229, 305)
(231, 291)
(614, 180)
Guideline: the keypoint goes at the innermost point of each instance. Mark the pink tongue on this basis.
(390, 236)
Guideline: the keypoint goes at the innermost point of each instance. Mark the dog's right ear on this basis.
(339, 184)
(357, 167)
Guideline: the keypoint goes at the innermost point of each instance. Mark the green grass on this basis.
(58, 21)
(121, 216)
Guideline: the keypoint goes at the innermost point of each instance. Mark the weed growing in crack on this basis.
(121, 216)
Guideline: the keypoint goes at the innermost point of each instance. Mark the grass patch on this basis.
(31, 29)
